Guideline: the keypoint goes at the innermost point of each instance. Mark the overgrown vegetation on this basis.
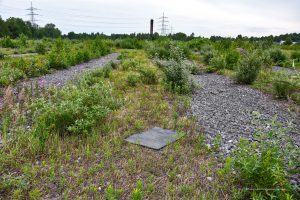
(63, 54)
(248, 69)
(262, 167)
(70, 141)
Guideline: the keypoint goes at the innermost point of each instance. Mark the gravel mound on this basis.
(225, 108)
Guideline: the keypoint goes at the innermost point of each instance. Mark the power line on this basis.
(164, 25)
(32, 14)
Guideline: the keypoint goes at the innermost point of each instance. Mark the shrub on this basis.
(195, 69)
(283, 86)
(22, 40)
(107, 70)
(167, 49)
(218, 62)
(149, 75)
(129, 64)
(210, 69)
(57, 60)
(129, 43)
(178, 77)
(265, 58)
(2, 55)
(40, 48)
(249, 69)
(6, 42)
(74, 110)
(232, 58)
(296, 55)
(10, 75)
(133, 79)
(277, 56)
(260, 166)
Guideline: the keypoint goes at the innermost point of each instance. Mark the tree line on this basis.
(14, 27)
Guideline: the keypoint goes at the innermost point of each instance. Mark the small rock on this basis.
(209, 178)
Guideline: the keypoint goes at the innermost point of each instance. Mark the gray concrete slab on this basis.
(155, 138)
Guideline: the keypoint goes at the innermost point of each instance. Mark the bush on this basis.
(133, 79)
(210, 69)
(149, 75)
(6, 42)
(57, 60)
(232, 58)
(129, 43)
(265, 58)
(167, 49)
(2, 55)
(22, 40)
(40, 48)
(129, 64)
(277, 56)
(296, 55)
(284, 87)
(249, 69)
(178, 77)
(74, 110)
(10, 75)
(107, 70)
(261, 166)
(218, 62)
(195, 69)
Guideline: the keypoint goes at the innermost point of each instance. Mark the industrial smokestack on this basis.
(151, 26)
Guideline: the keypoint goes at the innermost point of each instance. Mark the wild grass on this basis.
(101, 164)
(263, 167)
(63, 54)
(69, 143)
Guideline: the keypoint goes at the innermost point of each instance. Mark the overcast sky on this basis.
(203, 17)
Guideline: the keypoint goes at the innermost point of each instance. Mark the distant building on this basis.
(282, 42)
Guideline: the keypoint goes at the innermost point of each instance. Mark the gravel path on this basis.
(60, 78)
(287, 70)
(22, 55)
(225, 108)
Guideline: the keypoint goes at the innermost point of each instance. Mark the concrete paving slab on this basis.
(155, 138)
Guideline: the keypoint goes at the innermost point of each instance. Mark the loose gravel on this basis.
(226, 108)
(60, 78)
(289, 71)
